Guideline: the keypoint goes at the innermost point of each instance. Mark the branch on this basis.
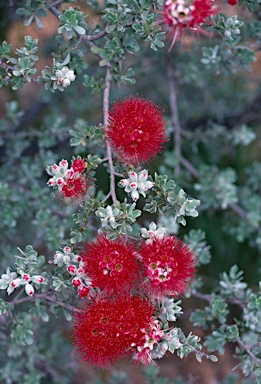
(174, 116)
(106, 96)
(45, 297)
(248, 350)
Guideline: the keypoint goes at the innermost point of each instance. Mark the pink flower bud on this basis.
(26, 276)
(29, 289)
(16, 282)
(133, 185)
(71, 269)
(51, 182)
(63, 163)
(143, 175)
(76, 282)
(80, 271)
(60, 181)
(134, 195)
(67, 250)
(124, 182)
(69, 173)
(37, 279)
(83, 291)
(55, 168)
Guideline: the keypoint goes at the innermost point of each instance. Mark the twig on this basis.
(106, 96)
(48, 298)
(174, 116)
(247, 349)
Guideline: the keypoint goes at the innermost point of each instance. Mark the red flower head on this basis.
(74, 188)
(169, 266)
(136, 129)
(189, 14)
(107, 329)
(232, 2)
(111, 265)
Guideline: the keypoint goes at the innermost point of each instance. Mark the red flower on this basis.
(169, 266)
(106, 329)
(182, 15)
(136, 129)
(111, 265)
(74, 188)
(78, 165)
(232, 2)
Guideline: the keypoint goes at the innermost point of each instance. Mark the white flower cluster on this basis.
(65, 76)
(10, 281)
(61, 174)
(136, 184)
(65, 257)
(79, 278)
(153, 233)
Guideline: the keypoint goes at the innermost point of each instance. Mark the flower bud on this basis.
(66, 259)
(16, 282)
(58, 73)
(55, 169)
(29, 289)
(70, 75)
(66, 82)
(26, 276)
(37, 279)
(83, 291)
(135, 195)
(51, 182)
(71, 269)
(67, 250)
(76, 282)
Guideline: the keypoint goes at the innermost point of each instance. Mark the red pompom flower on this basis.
(181, 15)
(112, 265)
(136, 129)
(169, 265)
(108, 329)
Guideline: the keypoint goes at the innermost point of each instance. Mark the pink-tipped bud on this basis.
(67, 250)
(60, 181)
(16, 282)
(71, 269)
(37, 279)
(51, 182)
(83, 291)
(55, 168)
(29, 289)
(80, 271)
(26, 276)
(76, 282)
(63, 163)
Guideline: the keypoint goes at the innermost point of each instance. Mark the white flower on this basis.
(153, 233)
(136, 184)
(65, 76)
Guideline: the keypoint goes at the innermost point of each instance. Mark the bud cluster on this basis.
(73, 263)
(64, 76)
(70, 182)
(136, 184)
(11, 280)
